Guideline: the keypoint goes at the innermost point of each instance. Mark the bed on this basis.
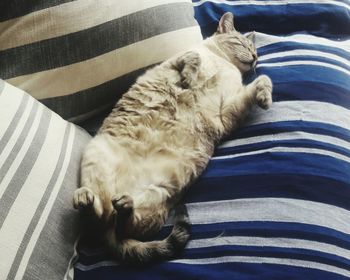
(274, 201)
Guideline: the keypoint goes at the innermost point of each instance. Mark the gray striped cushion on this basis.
(39, 170)
(78, 57)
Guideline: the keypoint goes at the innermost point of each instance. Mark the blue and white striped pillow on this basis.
(274, 202)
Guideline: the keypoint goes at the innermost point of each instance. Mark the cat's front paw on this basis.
(189, 64)
(122, 203)
(264, 91)
(83, 198)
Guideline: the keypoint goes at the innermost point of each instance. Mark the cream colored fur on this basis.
(162, 133)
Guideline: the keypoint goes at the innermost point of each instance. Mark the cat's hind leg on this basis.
(141, 215)
(95, 180)
(83, 197)
(188, 65)
(86, 199)
(123, 204)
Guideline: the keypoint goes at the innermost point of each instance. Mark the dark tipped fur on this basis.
(138, 252)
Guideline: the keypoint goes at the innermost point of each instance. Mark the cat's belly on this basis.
(164, 165)
(132, 165)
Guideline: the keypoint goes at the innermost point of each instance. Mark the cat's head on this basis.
(237, 48)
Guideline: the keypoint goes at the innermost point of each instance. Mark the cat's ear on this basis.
(226, 23)
(250, 36)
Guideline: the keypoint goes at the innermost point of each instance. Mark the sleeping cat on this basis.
(160, 137)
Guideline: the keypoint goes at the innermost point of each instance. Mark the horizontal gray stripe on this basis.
(308, 111)
(302, 150)
(286, 136)
(11, 9)
(259, 260)
(33, 223)
(270, 209)
(25, 167)
(270, 241)
(13, 124)
(83, 102)
(92, 42)
(20, 140)
(63, 220)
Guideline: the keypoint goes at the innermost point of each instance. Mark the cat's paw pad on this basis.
(187, 79)
(264, 92)
(122, 203)
(83, 198)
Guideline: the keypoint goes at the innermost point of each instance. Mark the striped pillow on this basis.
(78, 57)
(39, 170)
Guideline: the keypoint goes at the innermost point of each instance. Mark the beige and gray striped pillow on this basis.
(39, 170)
(78, 57)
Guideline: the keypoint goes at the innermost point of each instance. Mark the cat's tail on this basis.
(138, 252)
